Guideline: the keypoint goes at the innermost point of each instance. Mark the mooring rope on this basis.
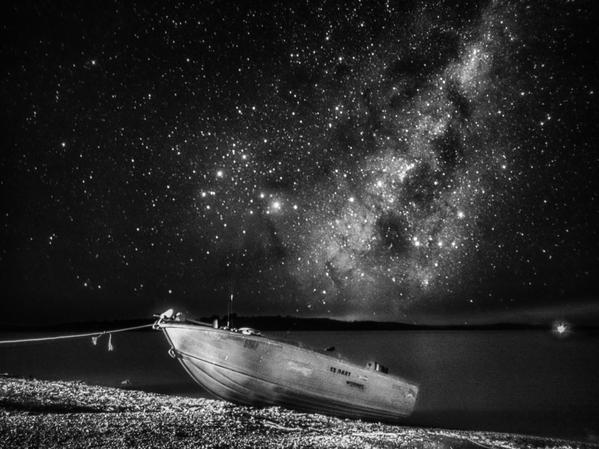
(68, 336)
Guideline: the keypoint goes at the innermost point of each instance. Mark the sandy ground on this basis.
(36, 413)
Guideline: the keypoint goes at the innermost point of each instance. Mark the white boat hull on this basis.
(255, 370)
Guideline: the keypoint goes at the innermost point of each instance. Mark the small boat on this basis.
(246, 367)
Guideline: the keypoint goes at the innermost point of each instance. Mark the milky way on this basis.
(350, 159)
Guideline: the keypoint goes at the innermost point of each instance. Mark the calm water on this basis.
(511, 381)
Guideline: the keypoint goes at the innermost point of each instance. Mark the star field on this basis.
(346, 159)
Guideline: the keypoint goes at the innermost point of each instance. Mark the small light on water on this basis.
(561, 328)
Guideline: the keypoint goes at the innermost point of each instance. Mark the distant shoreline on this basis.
(284, 323)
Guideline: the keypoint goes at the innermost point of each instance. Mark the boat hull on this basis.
(255, 370)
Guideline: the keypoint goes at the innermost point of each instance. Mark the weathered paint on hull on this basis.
(255, 370)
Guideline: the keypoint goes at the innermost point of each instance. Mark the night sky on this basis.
(378, 160)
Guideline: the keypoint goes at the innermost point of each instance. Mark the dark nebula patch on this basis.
(449, 148)
(394, 233)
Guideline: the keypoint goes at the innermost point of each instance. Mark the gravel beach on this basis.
(35, 413)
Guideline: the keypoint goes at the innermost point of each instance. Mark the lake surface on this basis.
(509, 381)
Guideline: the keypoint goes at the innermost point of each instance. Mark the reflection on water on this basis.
(512, 381)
